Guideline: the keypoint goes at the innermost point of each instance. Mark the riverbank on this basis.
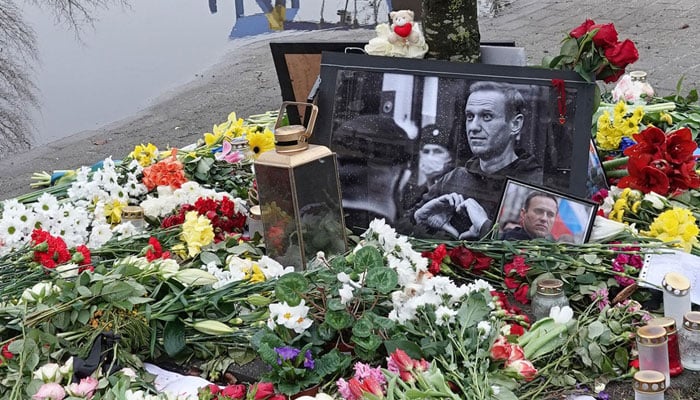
(244, 81)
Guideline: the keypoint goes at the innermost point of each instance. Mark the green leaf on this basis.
(290, 286)
(383, 279)
(622, 357)
(209, 258)
(267, 354)
(335, 305)
(473, 311)
(84, 316)
(367, 258)
(412, 349)
(569, 47)
(595, 352)
(338, 320)
(83, 291)
(362, 327)
(204, 165)
(174, 337)
(595, 329)
(587, 278)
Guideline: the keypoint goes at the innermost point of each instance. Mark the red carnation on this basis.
(436, 257)
(521, 294)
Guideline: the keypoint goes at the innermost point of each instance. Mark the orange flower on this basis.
(167, 172)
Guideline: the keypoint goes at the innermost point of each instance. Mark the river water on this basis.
(132, 55)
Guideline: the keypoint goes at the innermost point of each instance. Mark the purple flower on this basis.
(308, 360)
(603, 396)
(286, 353)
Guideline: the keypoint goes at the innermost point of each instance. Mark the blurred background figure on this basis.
(373, 154)
(435, 158)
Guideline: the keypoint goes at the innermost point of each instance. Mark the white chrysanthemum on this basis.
(444, 315)
(403, 267)
(11, 205)
(484, 329)
(12, 231)
(100, 234)
(125, 230)
(46, 204)
(478, 286)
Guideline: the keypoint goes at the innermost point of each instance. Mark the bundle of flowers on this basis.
(594, 51)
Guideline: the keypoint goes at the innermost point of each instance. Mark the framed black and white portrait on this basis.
(427, 145)
(530, 212)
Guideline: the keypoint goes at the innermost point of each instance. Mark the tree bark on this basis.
(451, 30)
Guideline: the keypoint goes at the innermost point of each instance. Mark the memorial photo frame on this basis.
(376, 112)
(531, 212)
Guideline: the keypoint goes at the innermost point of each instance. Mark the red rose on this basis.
(606, 36)
(614, 76)
(483, 262)
(622, 53)
(521, 294)
(462, 256)
(263, 390)
(234, 391)
(581, 29)
(278, 396)
(524, 368)
(214, 389)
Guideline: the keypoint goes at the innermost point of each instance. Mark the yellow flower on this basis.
(677, 224)
(666, 117)
(255, 274)
(261, 142)
(145, 154)
(113, 211)
(611, 130)
(211, 139)
(197, 232)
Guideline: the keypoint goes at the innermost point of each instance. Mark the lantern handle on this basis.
(311, 118)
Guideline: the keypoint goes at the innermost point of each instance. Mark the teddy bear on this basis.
(402, 38)
(403, 29)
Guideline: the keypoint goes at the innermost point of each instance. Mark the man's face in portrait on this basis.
(538, 218)
(489, 129)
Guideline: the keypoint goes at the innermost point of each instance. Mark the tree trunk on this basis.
(451, 29)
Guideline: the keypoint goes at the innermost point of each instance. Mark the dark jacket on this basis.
(487, 189)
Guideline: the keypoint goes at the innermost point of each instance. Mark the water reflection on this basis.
(133, 55)
(262, 16)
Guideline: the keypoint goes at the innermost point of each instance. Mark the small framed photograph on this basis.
(531, 212)
(597, 180)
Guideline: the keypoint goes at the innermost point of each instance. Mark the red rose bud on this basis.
(622, 54)
(234, 391)
(500, 349)
(606, 36)
(214, 389)
(278, 396)
(581, 29)
(263, 390)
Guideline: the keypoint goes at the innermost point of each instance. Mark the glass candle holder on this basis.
(652, 345)
(649, 385)
(134, 214)
(675, 366)
(689, 341)
(676, 296)
(550, 293)
(255, 224)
